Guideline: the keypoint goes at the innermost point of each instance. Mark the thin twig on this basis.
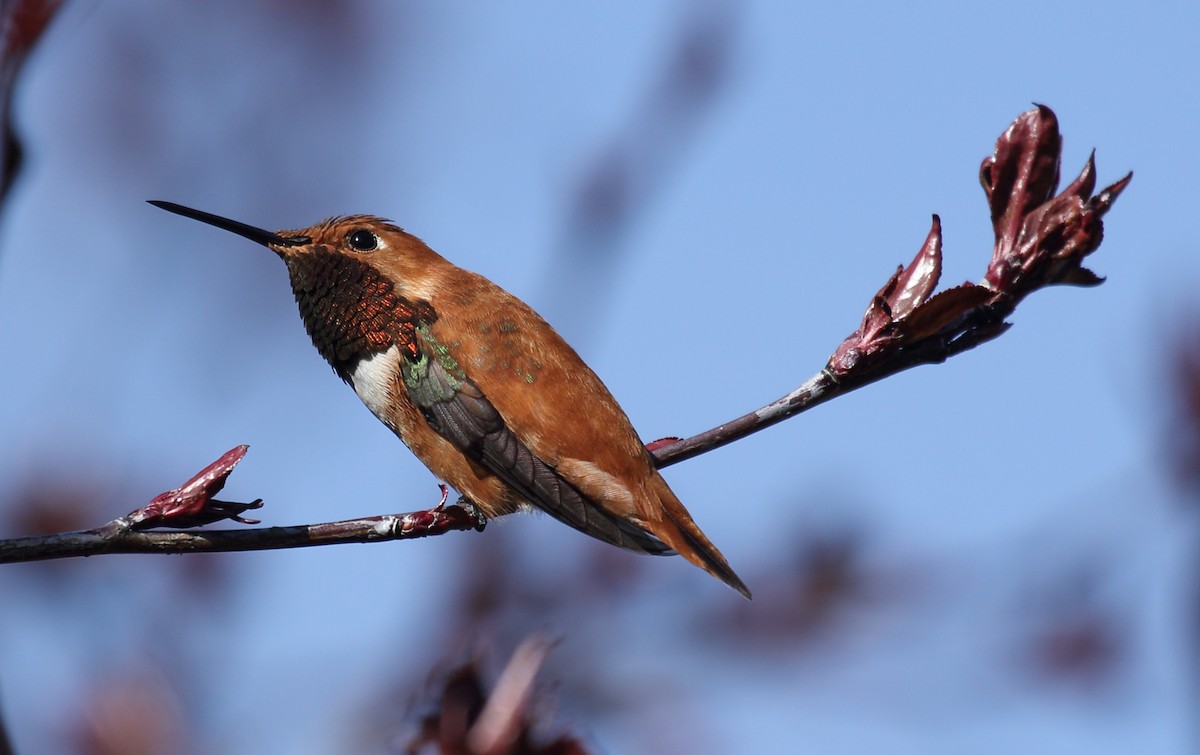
(118, 537)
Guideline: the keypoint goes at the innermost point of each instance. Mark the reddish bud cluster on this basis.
(1041, 240)
(192, 504)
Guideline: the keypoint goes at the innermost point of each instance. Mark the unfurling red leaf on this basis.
(946, 309)
(920, 278)
(1022, 172)
(192, 504)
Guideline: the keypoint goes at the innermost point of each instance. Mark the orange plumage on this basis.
(478, 385)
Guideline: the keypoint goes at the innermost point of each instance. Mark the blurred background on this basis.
(995, 555)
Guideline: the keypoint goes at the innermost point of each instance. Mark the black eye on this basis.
(362, 240)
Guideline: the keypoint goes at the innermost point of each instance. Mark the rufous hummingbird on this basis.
(482, 389)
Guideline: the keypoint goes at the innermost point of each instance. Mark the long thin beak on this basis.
(258, 235)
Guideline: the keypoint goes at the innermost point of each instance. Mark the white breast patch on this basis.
(375, 380)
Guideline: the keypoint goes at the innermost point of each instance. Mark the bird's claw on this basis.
(473, 512)
(464, 504)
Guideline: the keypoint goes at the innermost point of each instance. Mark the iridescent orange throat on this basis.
(351, 310)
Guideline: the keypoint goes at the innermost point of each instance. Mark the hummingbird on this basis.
(481, 388)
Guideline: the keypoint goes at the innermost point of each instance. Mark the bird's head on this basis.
(348, 241)
(362, 283)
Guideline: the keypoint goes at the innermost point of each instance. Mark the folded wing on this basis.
(458, 410)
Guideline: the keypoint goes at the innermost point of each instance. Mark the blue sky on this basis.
(142, 346)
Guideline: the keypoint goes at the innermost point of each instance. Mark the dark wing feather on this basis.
(457, 409)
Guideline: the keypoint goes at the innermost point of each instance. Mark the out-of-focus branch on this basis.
(629, 169)
(466, 718)
(22, 23)
(5, 745)
(1041, 240)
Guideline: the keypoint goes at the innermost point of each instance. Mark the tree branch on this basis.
(125, 535)
(1040, 240)
(114, 537)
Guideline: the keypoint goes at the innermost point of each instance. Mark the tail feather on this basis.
(679, 531)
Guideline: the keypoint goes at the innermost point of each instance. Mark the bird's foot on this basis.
(442, 518)
(472, 511)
